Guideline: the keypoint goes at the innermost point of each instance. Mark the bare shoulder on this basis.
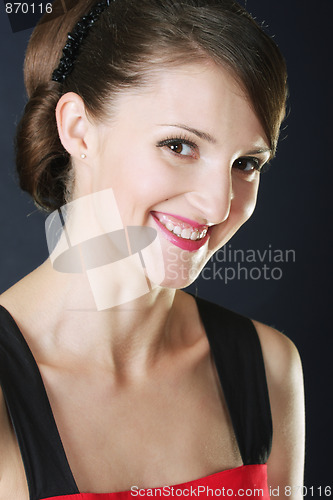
(22, 301)
(281, 357)
(286, 393)
(12, 298)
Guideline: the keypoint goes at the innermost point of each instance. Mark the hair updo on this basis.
(125, 44)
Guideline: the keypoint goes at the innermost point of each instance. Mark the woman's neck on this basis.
(57, 312)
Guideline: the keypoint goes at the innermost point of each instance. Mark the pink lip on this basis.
(189, 245)
(190, 222)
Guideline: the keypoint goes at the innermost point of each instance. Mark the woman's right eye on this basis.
(180, 147)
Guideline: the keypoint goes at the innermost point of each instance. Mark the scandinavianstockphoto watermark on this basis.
(229, 263)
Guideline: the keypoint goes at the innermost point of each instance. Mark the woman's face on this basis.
(183, 157)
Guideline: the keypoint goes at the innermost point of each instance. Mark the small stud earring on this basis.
(83, 156)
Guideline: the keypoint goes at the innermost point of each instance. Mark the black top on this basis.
(238, 358)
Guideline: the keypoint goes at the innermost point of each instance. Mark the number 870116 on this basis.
(28, 8)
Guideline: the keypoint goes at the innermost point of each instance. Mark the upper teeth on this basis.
(187, 233)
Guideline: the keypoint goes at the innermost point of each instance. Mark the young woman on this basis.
(158, 116)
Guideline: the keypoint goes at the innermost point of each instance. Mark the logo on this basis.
(87, 236)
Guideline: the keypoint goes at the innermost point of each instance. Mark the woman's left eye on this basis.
(180, 147)
(247, 164)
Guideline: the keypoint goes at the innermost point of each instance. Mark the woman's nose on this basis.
(213, 195)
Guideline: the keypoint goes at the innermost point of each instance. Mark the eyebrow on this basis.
(209, 138)
(202, 135)
(259, 151)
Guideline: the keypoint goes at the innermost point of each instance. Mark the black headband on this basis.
(74, 40)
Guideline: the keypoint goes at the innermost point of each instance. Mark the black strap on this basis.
(46, 466)
(239, 362)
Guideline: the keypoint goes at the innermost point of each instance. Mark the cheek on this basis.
(139, 180)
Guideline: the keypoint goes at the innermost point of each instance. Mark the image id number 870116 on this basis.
(306, 491)
(28, 8)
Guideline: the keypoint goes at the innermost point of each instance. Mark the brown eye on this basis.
(176, 147)
(247, 164)
(180, 147)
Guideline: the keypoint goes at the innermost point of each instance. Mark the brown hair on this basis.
(120, 50)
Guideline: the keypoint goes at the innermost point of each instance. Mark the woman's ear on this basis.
(72, 123)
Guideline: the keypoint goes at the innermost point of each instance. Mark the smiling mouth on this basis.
(180, 228)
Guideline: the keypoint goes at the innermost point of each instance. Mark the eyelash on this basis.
(257, 165)
(182, 139)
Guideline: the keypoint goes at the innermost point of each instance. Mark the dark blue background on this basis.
(293, 211)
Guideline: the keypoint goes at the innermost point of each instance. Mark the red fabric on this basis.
(247, 481)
